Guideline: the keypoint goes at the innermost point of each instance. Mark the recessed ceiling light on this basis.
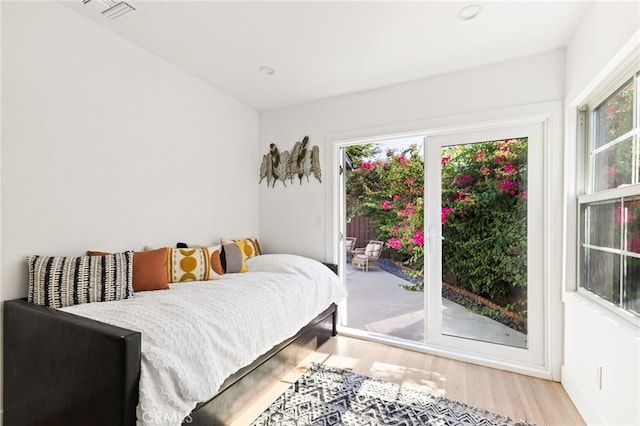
(266, 70)
(467, 13)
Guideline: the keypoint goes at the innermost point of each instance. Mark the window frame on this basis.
(586, 134)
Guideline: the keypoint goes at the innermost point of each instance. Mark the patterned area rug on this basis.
(331, 396)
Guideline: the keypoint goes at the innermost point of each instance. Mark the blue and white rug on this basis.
(331, 396)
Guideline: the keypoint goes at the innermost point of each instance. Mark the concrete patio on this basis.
(378, 304)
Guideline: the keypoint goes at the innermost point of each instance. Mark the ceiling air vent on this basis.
(111, 9)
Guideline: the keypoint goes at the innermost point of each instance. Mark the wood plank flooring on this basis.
(520, 397)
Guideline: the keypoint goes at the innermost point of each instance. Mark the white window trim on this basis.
(610, 307)
(620, 192)
(627, 67)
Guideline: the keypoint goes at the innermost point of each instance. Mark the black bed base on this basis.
(244, 385)
(63, 369)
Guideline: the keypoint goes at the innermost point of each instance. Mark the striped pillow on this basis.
(57, 282)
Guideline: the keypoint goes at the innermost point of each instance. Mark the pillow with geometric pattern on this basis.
(57, 282)
(194, 264)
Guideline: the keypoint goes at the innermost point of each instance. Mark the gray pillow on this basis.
(233, 259)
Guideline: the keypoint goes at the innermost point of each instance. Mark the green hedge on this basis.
(484, 215)
(484, 197)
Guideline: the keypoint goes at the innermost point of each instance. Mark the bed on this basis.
(191, 355)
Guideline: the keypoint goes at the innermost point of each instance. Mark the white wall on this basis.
(299, 219)
(594, 337)
(603, 30)
(106, 146)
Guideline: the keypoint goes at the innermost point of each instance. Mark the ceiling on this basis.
(325, 49)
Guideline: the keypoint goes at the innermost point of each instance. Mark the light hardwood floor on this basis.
(520, 397)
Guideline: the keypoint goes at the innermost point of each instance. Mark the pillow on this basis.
(249, 246)
(57, 282)
(194, 264)
(373, 249)
(234, 258)
(98, 253)
(185, 245)
(149, 269)
(348, 245)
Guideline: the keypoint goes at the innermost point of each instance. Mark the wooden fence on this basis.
(363, 228)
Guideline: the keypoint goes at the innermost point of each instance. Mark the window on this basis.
(609, 210)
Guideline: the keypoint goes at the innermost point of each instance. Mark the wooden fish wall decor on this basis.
(300, 163)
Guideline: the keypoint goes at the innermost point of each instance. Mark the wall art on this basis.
(298, 164)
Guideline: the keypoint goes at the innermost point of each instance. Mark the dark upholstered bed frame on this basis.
(63, 369)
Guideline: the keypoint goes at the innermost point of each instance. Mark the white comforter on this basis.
(197, 334)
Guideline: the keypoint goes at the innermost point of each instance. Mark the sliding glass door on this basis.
(461, 221)
(485, 265)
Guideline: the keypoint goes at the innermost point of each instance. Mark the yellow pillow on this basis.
(248, 246)
(194, 264)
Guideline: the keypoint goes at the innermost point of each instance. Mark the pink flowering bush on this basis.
(401, 229)
(362, 185)
(484, 199)
(630, 219)
(444, 213)
(391, 190)
(418, 238)
(366, 165)
(484, 196)
(386, 205)
(394, 243)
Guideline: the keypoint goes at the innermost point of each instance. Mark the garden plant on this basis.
(484, 208)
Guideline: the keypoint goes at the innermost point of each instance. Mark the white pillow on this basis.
(372, 249)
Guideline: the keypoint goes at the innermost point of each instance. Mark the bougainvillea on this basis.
(392, 191)
(484, 196)
(403, 192)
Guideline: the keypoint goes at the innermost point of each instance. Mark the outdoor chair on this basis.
(365, 257)
(349, 245)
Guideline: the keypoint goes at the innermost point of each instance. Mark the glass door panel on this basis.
(485, 265)
(384, 238)
(484, 250)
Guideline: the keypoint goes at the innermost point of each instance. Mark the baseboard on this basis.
(585, 407)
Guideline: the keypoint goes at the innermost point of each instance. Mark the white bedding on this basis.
(197, 334)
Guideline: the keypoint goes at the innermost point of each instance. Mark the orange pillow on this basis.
(149, 269)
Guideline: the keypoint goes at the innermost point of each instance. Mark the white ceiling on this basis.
(325, 49)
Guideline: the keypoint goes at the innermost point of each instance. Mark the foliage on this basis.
(357, 153)
(484, 208)
(362, 185)
(613, 167)
(613, 119)
(628, 219)
(483, 211)
(363, 180)
(391, 190)
(413, 286)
